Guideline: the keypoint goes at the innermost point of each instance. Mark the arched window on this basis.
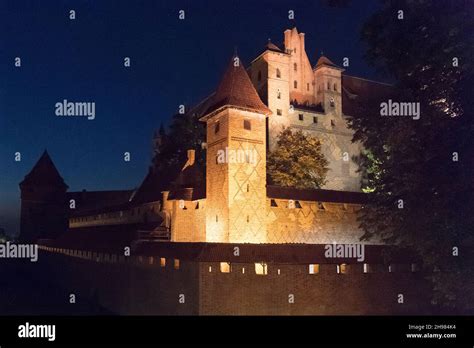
(295, 67)
(295, 84)
(259, 76)
(278, 73)
(335, 87)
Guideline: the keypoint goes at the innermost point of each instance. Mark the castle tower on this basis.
(43, 202)
(236, 160)
(300, 73)
(328, 86)
(270, 76)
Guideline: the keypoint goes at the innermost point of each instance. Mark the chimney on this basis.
(190, 161)
(191, 157)
(302, 49)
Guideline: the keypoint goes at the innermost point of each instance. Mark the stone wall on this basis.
(142, 285)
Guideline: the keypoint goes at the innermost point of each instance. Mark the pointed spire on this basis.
(44, 172)
(236, 89)
(271, 46)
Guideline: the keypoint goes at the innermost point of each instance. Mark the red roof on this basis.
(44, 172)
(237, 90)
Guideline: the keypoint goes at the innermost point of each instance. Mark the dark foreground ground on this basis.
(27, 290)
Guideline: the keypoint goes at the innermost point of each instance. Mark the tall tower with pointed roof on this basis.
(236, 160)
(43, 202)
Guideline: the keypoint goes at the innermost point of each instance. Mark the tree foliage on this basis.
(297, 161)
(185, 132)
(414, 161)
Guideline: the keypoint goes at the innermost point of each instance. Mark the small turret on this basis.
(43, 202)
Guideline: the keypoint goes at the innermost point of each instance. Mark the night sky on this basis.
(173, 62)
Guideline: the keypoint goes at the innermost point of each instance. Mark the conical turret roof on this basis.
(236, 89)
(44, 172)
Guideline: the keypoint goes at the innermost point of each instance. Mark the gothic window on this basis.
(216, 127)
(259, 76)
(247, 125)
(278, 73)
(295, 67)
(295, 84)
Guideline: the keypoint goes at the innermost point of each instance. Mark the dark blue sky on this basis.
(172, 62)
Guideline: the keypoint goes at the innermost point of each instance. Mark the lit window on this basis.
(210, 269)
(278, 73)
(313, 268)
(176, 264)
(279, 112)
(301, 117)
(261, 268)
(216, 127)
(366, 268)
(278, 271)
(295, 84)
(243, 270)
(162, 262)
(390, 268)
(225, 267)
(247, 124)
(342, 268)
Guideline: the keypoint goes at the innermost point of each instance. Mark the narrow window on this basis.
(342, 268)
(225, 267)
(176, 264)
(278, 73)
(366, 268)
(331, 102)
(295, 67)
(162, 262)
(216, 127)
(315, 120)
(261, 268)
(273, 203)
(278, 94)
(307, 86)
(247, 125)
(329, 86)
(248, 218)
(248, 187)
(313, 268)
(335, 87)
(295, 84)
(217, 220)
(210, 269)
(301, 117)
(279, 112)
(333, 123)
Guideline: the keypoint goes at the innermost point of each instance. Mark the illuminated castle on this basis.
(231, 201)
(223, 241)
